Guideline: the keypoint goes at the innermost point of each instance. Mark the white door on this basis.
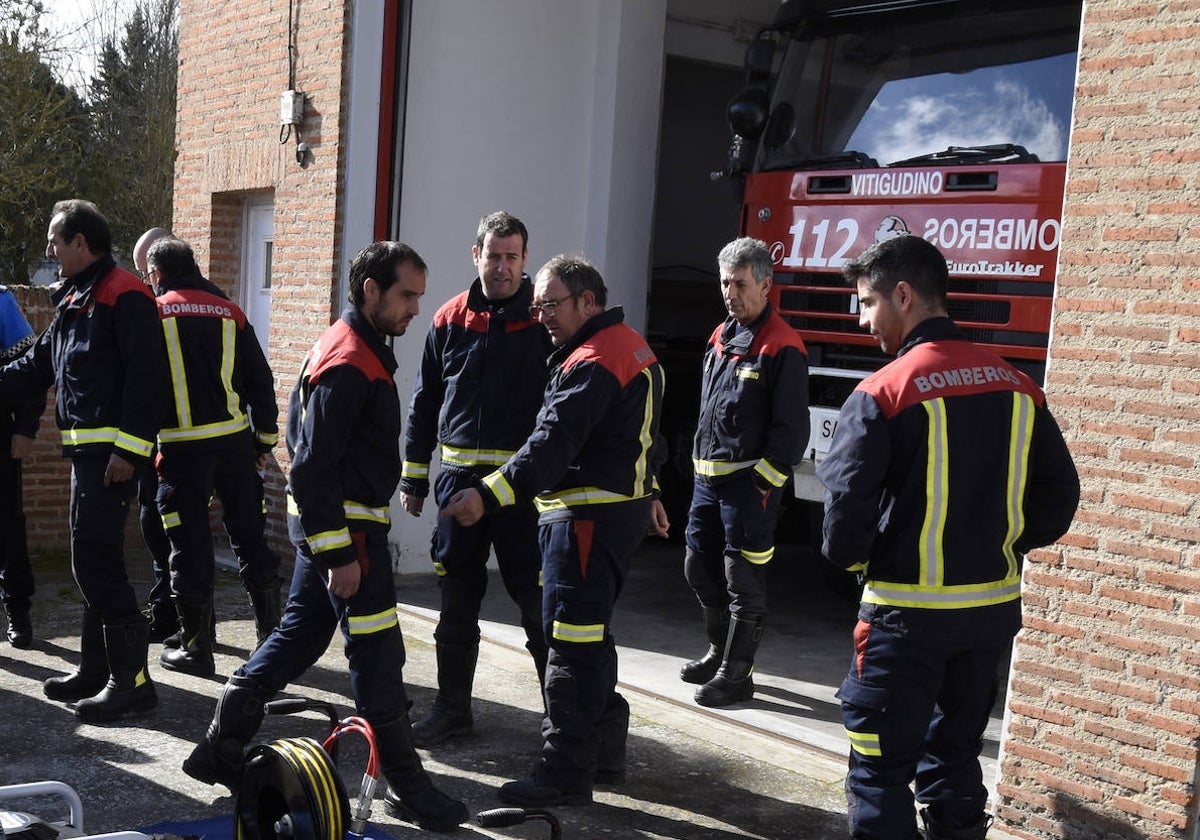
(258, 233)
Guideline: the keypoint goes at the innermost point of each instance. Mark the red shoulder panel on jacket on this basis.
(341, 345)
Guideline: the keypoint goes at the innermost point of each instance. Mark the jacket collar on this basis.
(609, 317)
(738, 342)
(359, 323)
(515, 308)
(938, 328)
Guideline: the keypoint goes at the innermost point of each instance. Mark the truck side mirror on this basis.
(748, 111)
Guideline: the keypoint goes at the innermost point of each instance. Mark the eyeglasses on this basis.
(547, 307)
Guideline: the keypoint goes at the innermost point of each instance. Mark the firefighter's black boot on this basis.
(195, 655)
(267, 604)
(614, 732)
(935, 830)
(217, 759)
(733, 682)
(20, 626)
(92, 673)
(175, 640)
(129, 689)
(164, 621)
(411, 795)
(451, 715)
(716, 628)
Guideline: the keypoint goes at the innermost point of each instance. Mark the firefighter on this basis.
(160, 609)
(589, 462)
(18, 426)
(945, 469)
(343, 434)
(752, 430)
(104, 354)
(477, 393)
(222, 422)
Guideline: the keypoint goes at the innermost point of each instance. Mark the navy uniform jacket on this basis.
(104, 353)
(945, 468)
(343, 436)
(753, 402)
(592, 449)
(221, 385)
(479, 388)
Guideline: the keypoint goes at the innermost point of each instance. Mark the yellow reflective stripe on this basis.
(1020, 440)
(411, 469)
(176, 434)
(439, 568)
(578, 633)
(475, 457)
(357, 510)
(758, 558)
(136, 445)
(81, 437)
(351, 509)
(642, 465)
(267, 438)
(772, 475)
(958, 597)
(937, 495)
(233, 400)
(363, 625)
(501, 489)
(171, 520)
(328, 540)
(580, 496)
(864, 743)
(711, 469)
(179, 390)
(140, 679)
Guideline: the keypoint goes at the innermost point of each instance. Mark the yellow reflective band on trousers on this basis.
(758, 558)
(864, 743)
(578, 633)
(475, 457)
(171, 520)
(364, 625)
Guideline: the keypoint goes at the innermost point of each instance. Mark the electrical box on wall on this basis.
(291, 107)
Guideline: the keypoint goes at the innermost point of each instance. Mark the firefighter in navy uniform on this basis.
(590, 463)
(343, 436)
(221, 424)
(945, 469)
(752, 430)
(477, 393)
(104, 353)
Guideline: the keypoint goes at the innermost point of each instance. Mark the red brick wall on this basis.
(233, 66)
(1105, 694)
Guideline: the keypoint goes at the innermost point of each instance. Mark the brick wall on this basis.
(1105, 692)
(233, 67)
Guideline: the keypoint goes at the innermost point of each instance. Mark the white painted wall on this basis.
(547, 109)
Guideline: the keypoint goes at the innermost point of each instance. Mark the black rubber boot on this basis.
(411, 795)
(217, 759)
(195, 656)
(733, 682)
(175, 640)
(614, 732)
(129, 689)
(267, 604)
(164, 620)
(451, 715)
(716, 628)
(92, 673)
(20, 627)
(934, 830)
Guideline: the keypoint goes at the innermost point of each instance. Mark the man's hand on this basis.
(21, 446)
(118, 470)
(412, 504)
(466, 506)
(262, 461)
(659, 524)
(344, 580)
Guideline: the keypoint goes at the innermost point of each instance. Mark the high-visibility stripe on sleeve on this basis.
(412, 469)
(136, 445)
(768, 472)
(501, 489)
(328, 540)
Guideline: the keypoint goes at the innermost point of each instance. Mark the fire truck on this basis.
(865, 120)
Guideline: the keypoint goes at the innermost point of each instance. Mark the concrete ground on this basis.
(771, 768)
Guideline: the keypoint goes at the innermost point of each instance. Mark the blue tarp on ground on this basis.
(221, 828)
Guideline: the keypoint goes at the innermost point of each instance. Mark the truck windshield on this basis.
(881, 90)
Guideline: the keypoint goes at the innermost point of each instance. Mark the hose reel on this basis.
(291, 790)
